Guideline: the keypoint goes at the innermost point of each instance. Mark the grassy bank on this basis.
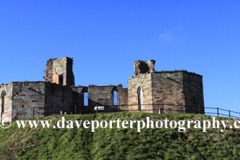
(80, 143)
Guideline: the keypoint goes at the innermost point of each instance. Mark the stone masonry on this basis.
(144, 67)
(59, 71)
(179, 91)
(175, 91)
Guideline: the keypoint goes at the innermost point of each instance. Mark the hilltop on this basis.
(115, 143)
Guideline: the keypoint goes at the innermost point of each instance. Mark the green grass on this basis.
(80, 143)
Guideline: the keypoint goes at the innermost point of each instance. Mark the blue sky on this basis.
(105, 38)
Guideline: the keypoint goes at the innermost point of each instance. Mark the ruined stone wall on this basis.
(59, 71)
(70, 80)
(122, 97)
(8, 89)
(141, 67)
(144, 81)
(50, 72)
(167, 89)
(60, 97)
(37, 99)
(28, 99)
(101, 96)
(193, 91)
(78, 98)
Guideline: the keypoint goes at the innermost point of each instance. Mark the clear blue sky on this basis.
(106, 37)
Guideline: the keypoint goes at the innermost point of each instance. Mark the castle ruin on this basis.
(180, 92)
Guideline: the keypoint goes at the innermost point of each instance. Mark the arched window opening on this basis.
(3, 95)
(85, 98)
(140, 98)
(115, 98)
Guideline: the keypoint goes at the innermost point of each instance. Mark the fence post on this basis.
(217, 111)
(229, 114)
(75, 109)
(33, 112)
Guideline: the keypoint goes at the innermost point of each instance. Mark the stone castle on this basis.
(180, 92)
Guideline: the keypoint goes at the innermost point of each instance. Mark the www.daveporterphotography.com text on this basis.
(181, 125)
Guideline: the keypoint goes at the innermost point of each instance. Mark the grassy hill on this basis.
(80, 143)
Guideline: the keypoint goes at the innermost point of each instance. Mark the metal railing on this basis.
(150, 108)
(219, 112)
(159, 108)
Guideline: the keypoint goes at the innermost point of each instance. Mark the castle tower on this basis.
(59, 71)
(180, 91)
